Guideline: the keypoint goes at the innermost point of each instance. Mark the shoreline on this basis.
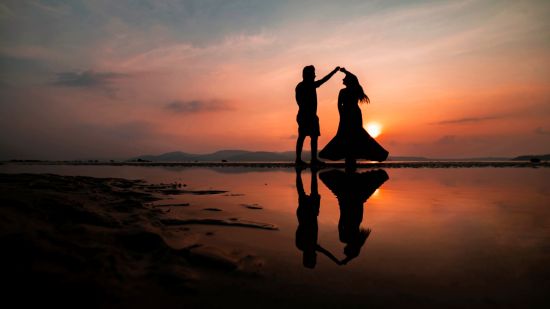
(390, 164)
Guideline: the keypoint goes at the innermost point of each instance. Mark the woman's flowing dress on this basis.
(352, 141)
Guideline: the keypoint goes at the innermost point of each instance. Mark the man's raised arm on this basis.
(318, 83)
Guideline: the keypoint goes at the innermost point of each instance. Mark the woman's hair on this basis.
(353, 83)
(354, 246)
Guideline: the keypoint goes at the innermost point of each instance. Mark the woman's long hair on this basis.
(353, 84)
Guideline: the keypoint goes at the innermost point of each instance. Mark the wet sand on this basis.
(75, 241)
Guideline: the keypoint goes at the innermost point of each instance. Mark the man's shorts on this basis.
(308, 126)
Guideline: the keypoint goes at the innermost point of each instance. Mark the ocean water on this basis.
(438, 237)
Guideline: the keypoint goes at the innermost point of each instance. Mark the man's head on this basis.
(308, 73)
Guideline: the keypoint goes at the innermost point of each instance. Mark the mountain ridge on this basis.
(238, 155)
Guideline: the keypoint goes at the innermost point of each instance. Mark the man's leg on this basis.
(314, 148)
(314, 159)
(299, 146)
(314, 187)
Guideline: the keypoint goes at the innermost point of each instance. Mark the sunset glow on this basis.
(83, 79)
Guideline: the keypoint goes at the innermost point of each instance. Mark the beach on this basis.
(211, 236)
(94, 242)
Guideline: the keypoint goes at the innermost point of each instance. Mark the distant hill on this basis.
(475, 159)
(235, 155)
(544, 157)
(243, 156)
(227, 155)
(267, 156)
(168, 157)
(405, 158)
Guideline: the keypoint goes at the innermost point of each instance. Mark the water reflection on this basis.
(352, 190)
(308, 228)
(463, 220)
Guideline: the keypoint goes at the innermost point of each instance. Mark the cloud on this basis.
(51, 9)
(446, 140)
(197, 106)
(542, 131)
(186, 54)
(468, 120)
(86, 79)
(102, 81)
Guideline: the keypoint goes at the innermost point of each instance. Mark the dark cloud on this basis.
(542, 131)
(446, 140)
(393, 143)
(469, 120)
(86, 79)
(197, 106)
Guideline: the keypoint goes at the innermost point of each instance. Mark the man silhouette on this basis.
(308, 122)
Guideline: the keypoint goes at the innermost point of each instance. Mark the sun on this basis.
(374, 128)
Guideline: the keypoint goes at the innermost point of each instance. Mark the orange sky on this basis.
(446, 79)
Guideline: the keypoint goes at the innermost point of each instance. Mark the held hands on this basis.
(341, 69)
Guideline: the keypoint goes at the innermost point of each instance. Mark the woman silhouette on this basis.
(352, 142)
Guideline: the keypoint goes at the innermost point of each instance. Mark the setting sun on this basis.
(374, 129)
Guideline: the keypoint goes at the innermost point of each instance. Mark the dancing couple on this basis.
(352, 141)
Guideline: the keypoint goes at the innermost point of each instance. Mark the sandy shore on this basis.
(98, 242)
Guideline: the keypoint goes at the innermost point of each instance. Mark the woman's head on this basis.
(354, 246)
(351, 82)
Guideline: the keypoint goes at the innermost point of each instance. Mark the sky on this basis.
(117, 79)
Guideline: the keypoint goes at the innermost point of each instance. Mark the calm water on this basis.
(453, 237)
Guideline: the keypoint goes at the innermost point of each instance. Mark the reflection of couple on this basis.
(351, 142)
(352, 190)
(307, 212)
